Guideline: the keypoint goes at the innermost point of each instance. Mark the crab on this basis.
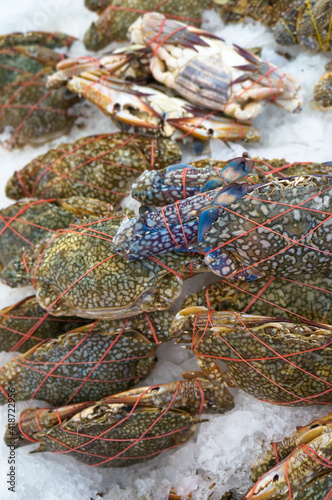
(27, 222)
(126, 428)
(30, 112)
(205, 70)
(323, 92)
(79, 366)
(180, 181)
(26, 324)
(270, 358)
(297, 467)
(76, 272)
(117, 15)
(99, 166)
(306, 299)
(267, 12)
(263, 230)
(306, 22)
(29, 53)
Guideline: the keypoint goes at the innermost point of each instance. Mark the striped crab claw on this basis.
(208, 72)
(180, 181)
(130, 63)
(150, 110)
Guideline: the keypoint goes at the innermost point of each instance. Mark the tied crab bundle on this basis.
(77, 273)
(27, 222)
(117, 15)
(98, 166)
(222, 87)
(297, 467)
(88, 363)
(126, 428)
(271, 358)
(31, 113)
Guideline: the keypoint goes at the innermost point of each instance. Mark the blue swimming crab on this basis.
(100, 166)
(79, 366)
(297, 467)
(25, 324)
(27, 222)
(29, 53)
(29, 111)
(76, 272)
(271, 358)
(299, 300)
(267, 12)
(179, 181)
(126, 428)
(277, 228)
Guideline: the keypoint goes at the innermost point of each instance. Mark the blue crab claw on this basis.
(328, 163)
(225, 264)
(230, 194)
(220, 263)
(212, 184)
(207, 217)
(236, 169)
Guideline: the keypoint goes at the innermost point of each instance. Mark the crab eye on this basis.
(275, 478)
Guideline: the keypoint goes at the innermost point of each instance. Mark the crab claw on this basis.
(230, 194)
(271, 485)
(195, 393)
(207, 217)
(236, 169)
(127, 103)
(214, 126)
(212, 184)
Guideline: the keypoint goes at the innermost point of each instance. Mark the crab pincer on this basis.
(182, 180)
